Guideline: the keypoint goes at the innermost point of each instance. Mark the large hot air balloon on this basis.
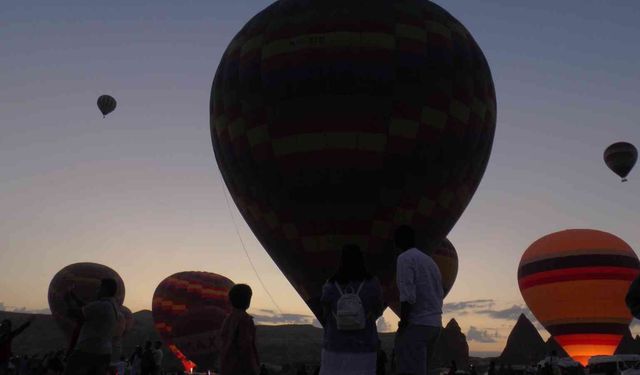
(575, 282)
(106, 104)
(335, 121)
(84, 279)
(620, 157)
(188, 309)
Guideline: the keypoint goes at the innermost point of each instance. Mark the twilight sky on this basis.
(141, 192)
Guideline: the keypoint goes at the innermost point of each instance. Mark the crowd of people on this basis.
(352, 301)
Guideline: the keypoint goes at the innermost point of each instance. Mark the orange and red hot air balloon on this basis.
(188, 309)
(575, 282)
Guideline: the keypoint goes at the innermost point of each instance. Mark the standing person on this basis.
(148, 363)
(351, 301)
(6, 339)
(421, 294)
(492, 368)
(157, 358)
(120, 366)
(92, 351)
(237, 340)
(453, 368)
(381, 363)
(135, 360)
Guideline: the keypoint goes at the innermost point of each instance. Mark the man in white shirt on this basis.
(421, 294)
(92, 352)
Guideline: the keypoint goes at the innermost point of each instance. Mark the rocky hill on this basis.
(524, 344)
(629, 345)
(452, 346)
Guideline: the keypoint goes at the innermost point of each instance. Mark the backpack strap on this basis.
(360, 287)
(339, 289)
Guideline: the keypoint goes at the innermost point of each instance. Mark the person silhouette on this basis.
(420, 288)
(7, 334)
(352, 302)
(237, 340)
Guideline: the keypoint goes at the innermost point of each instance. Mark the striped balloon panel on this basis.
(446, 258)
(195, 335)
(575, 283)
(334, 123)
(84, 279)
(179, 294)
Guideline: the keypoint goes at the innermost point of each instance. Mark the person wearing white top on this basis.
(92, 352)
(421, 294)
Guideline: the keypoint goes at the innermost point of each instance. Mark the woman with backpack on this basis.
(352, 302)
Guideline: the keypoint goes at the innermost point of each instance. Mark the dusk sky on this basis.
(141, 192)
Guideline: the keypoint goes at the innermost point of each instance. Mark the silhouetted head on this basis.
(147, 345)
(108, 288)
(405, 238)
(158, 345)
(5, 326)
(240, 296)
(352, 267)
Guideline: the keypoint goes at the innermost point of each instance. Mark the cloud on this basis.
(511, 313)
(482, 335)
(383, 325)
(463, 306)
(283, 319)
(24, 310)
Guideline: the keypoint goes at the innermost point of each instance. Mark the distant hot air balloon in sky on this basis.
(188, 309)
(575, 282)
(620, 157)
(84, 279)
(334, 123)
(106, 104)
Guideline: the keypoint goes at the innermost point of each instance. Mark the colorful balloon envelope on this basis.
(84, 279)
(575, 282)
(196, 332)
(335, 121)
(446, 258)
(188, 309)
